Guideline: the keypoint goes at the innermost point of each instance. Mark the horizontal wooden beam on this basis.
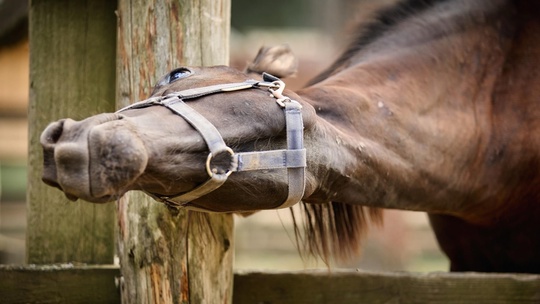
(98, 284)
(388, 287)
(63, 283)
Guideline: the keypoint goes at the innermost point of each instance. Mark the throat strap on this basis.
(295, 143)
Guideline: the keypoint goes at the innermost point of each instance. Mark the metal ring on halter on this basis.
(231, 168)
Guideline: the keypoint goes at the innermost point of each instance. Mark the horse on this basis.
(432, 107)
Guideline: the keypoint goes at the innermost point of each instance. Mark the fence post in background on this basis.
(72, 74)
(167, 257)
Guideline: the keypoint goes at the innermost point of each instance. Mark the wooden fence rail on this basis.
(63, 283)
(97, 284)
(384, 287)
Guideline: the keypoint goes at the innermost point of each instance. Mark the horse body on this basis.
(433, 108)
(443, 116)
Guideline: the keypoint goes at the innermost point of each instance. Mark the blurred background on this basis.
(317, 31)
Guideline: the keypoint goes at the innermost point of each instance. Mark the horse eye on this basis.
(178, 74)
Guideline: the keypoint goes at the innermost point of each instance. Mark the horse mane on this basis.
(334, 230)
(365, 33)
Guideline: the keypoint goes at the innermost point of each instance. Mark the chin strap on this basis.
(293, 158)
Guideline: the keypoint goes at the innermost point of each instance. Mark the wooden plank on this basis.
(98, 284)
(390, 287)
(59, 284)
(72, 74)
(167, 257)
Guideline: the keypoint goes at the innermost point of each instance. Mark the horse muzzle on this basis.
(94, 159)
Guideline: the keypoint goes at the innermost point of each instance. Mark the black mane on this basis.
(385, 19)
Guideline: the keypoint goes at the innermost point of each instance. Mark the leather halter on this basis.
(293, 158)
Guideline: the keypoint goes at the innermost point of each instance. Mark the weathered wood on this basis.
(59, 284)
(389, 287)
(97, 284)
(167, 257)
(72, 74)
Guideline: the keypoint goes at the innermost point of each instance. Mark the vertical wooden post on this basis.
(167, 257)
(72, 74)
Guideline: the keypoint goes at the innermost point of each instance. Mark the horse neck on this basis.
(404, 124)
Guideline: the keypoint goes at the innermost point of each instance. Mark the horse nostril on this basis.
(52, 133)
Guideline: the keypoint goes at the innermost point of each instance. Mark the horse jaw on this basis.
(94, 159)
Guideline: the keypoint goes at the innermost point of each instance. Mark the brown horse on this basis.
(433, 107)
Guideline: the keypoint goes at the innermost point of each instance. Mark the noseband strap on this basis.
(293, 158)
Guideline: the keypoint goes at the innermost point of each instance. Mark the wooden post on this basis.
(167, 257)
(72, 74)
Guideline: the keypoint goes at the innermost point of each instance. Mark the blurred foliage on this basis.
(247, 14)
(13, 181)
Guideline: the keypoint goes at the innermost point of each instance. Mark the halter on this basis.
(293, 158)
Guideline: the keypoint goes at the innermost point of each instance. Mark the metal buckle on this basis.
(229, 171)
(278, 93)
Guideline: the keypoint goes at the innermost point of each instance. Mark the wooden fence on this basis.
(99, 284)
(90, 57)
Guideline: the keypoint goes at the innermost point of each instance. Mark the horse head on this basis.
(153, 149)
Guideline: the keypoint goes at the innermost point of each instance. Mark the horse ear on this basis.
(276, 60)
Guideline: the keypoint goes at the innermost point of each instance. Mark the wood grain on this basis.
(63, 283)
(384, 287)
(98, 284)
(72, 74)
(169, 257)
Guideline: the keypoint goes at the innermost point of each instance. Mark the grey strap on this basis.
(193, 93)
(207, 130)
(295, 142)
(213, 140)
(274, 159)
(227, 87)
(210, 185)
